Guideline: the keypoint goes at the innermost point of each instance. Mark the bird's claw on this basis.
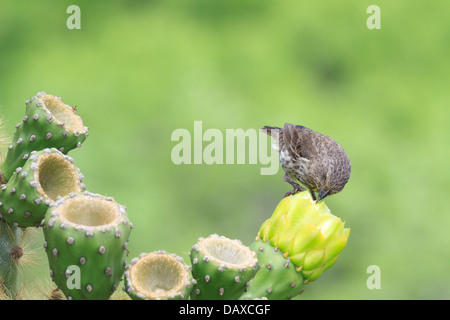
(294, 191)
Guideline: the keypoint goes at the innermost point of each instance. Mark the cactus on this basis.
(221, 268)
(158, 276)
(48, 123)
(10, 253)
(303, 232)
(46, 175)
(307, 232)
(278, 278)
(86, 233)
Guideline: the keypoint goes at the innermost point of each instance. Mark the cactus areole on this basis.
(158, 276)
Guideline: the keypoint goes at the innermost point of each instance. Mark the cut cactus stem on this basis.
(45, 176)
(158, 276)
(86, 238)
(277, 279)
(307, 233)
(48, 123)
(9, 238)
(221, 268)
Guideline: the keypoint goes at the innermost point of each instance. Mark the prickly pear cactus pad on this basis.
(46, 175)
(158, 276)
(48, 123)
(305, 231)
(86, 239)
(221, 268)
(278, 278)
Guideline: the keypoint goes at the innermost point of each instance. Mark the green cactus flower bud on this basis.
(221, 268)
(45, 176)
(158, 276)
(48, 123)
(86, 238)
(307, 233)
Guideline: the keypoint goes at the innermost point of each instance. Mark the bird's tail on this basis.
(271, 130)
(276, 133)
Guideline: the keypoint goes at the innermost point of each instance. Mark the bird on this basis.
(311, 158)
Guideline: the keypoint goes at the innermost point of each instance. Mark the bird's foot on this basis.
(296, 189)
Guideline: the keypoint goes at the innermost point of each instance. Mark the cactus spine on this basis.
(45, 176)
(221, 268)
(158, 276)
(86, 234)
(10, 253)
(48, 123)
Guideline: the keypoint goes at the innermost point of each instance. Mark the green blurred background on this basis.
(138, 70)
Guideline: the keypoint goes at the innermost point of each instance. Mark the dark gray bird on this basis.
(315, 160)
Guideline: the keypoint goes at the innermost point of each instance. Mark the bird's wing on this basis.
(295, 139)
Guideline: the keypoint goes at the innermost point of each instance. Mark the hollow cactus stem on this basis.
(48, 123)
(45, 176)
(10, 253)
(86, 238)
(158, 276)
(221, 268)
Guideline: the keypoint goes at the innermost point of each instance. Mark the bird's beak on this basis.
(323, 194)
